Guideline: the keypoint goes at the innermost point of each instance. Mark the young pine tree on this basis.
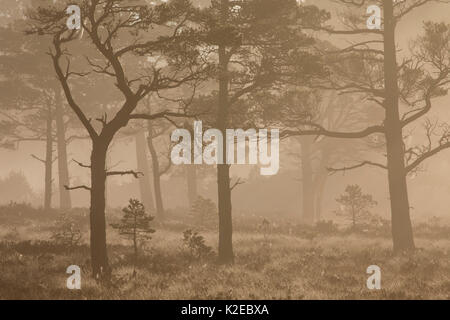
(135, 225)
(356, 203)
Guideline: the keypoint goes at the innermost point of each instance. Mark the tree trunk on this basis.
(100, 266)
(353, 218)
(65, 201)
(191, 177)
(226, 255)
(321, 181)
(135, 244)
(156, 173)
(401, 223)
(307, 181)
(318, 193)
(142, 166)
(48, 162)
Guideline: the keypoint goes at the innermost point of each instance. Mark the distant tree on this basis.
(145, 186)
(204, 211)
(135, 225)
(405, 91)
(161, 164)
(356, 204)
(292, 108)
(257, 45)
(15, 187)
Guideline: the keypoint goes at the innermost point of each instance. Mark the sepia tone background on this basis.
(359, 184)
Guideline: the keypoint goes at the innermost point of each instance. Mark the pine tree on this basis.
(135, 225)
(356, 203)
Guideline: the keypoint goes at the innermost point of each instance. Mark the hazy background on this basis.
(281, 194)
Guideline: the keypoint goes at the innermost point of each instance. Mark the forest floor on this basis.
(269, 265)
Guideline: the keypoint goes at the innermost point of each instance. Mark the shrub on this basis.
(66, 231)
(325, 226)
(12, 234)
(196, 244)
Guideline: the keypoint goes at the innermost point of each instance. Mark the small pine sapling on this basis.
(196, 244)
(355, 204)
(135, 225)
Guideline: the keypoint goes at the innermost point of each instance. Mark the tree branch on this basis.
(362, 164)
(122, 173)
(77, 187)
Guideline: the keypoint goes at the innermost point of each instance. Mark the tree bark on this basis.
(191, 179)
(226, 255)
(142, 166)
(65, 201)
(401, 223)
(156, 173)
(307, 181)
(48, 162)
(99, 255)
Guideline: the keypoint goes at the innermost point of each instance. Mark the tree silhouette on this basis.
(135, 225)
(404, 92)
(257, 45)
(117, 31)
(356, 204)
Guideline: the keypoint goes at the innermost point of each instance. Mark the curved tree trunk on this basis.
(99, 255)
(142, 166)
(65, 201)
(156, 174)
(401, 223)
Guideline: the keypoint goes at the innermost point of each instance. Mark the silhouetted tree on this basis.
(119, 30)
(135, 225)
(370, 67)
(356, 204)
(254, 41)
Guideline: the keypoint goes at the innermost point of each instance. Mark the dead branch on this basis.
(359, 165)
(236, 183)
(77, 187)
(122, 173)
(81, 164)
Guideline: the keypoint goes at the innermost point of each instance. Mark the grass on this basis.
(267, 266)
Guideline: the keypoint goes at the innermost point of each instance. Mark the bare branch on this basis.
(362, 164)
(122, 173)
(239, 181)
(77, 187)
(81, 164)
